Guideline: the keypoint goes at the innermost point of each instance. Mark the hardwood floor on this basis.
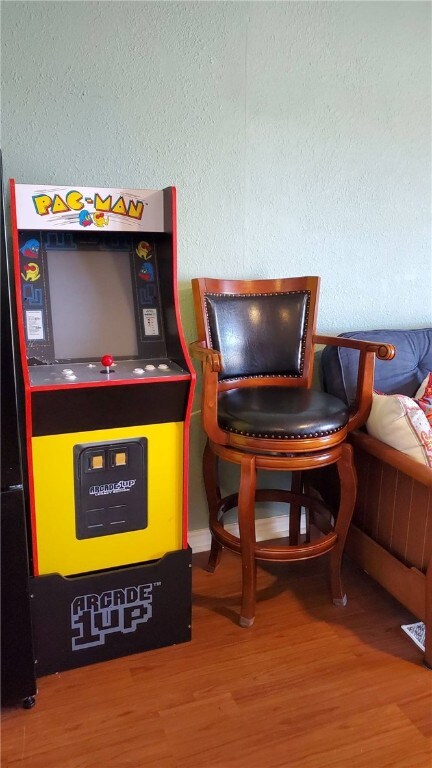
(309, 685)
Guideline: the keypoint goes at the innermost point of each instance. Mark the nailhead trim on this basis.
(265, 376)
(285, 436)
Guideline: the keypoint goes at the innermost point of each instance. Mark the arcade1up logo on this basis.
(117, 611)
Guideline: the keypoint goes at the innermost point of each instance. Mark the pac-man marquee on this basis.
(108, 388)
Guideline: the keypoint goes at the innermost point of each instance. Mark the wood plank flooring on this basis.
(309, 685)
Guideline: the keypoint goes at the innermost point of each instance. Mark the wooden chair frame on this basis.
(252, 453)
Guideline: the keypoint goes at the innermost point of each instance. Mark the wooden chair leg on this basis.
(295, 509)
(211, 484)
(246, 520)
(348, 490)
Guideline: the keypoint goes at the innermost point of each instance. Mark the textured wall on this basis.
(297, 134)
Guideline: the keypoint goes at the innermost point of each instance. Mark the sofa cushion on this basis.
(401, 422)
(402, 375)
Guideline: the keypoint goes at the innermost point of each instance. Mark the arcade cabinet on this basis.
(18, 680)
(108, 387)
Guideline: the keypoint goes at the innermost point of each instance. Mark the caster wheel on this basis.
(29, 702)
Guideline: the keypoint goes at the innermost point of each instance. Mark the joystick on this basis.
(107, 360)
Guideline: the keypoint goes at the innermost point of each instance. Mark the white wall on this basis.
(298, 135)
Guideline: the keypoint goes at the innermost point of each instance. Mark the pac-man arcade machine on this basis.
(108, 387)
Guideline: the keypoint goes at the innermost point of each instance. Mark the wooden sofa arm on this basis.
(394, 458)
(368, 350)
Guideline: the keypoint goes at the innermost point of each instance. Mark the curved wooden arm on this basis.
(382, 350)
(199, 351)
(365, 375)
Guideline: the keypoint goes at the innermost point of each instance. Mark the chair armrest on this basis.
(199, 351)
(381, 350)
(211, 364)
(365, 375)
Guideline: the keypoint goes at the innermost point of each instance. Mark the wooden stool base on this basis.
(332, 534)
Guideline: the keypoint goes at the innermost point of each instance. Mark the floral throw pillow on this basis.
(424, 397)
(405, 423)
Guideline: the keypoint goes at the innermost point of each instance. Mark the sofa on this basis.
(391, 532)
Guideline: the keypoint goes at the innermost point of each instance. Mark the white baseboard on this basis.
(266, 528)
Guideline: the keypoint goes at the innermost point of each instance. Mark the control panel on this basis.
(56, 374)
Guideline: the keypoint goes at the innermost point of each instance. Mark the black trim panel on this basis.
(18, 679)
(58, 412)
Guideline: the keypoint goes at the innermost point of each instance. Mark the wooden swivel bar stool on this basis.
(256, 344)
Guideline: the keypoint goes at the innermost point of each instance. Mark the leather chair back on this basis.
(263, 329)
(262, 334)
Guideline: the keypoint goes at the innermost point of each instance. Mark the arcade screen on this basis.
(92, 304)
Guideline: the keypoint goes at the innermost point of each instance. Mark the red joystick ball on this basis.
(107, 360)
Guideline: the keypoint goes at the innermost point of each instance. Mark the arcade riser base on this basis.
(100, 616)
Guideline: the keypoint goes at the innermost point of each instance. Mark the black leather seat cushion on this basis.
(281, 412)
